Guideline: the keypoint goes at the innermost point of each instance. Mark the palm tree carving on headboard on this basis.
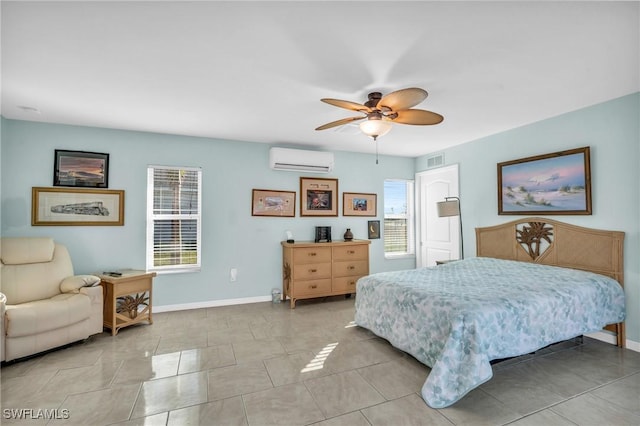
(531, 237)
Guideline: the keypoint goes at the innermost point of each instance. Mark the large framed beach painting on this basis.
(557, 183)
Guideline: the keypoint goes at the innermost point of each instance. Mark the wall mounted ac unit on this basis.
(298, 160)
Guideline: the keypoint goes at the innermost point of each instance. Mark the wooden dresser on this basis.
(322, 269)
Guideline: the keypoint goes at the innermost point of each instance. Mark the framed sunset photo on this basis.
(81, 169)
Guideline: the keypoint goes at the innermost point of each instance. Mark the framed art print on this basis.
(553, 184)
(80, 168)
(318, 197)
(77, 207)
(265, 202)
(357, 204)
(373, 229)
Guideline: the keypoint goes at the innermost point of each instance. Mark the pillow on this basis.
(75, 283)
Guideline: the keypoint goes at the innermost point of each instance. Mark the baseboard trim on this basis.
(611, 338)
(210, 304)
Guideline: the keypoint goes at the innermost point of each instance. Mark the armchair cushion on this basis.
(60, 311)
(74, 283)
(24, 279)
(22, 251)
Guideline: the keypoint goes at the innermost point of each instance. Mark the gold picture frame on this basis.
(318, 197)
(77, 207)
(359, 204)
(267, 202)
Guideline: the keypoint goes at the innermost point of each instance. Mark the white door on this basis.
(438, 237)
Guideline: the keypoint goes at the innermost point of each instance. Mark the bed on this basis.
(534, 282)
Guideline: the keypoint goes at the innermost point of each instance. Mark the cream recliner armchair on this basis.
(46, 305)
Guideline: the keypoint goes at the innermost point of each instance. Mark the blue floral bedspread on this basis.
(457, 317)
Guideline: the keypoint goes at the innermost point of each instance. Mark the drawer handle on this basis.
(314, 286)
(313, 270)
(351, 252)
(312, 254)
(351, 268)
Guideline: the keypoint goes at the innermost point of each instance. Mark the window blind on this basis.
(398, 217)
(174, 218)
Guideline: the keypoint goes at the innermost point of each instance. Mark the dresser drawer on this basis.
(352, 268)
(346, 284)
(304, 255)
(355, 252)
(312, 271)
(312, 288)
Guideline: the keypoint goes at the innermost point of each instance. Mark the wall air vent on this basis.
(436, 160)
(298, 160)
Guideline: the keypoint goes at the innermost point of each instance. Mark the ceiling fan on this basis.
(381, 111)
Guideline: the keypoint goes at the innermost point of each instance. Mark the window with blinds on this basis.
(398, 218)
(173, 218)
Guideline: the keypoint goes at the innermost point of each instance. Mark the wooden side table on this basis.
(127, 299)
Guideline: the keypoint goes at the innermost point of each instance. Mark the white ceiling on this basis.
(255, 71)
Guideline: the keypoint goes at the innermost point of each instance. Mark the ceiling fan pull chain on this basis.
(375, 139)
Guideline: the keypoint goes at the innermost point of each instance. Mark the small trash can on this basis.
(276, 295)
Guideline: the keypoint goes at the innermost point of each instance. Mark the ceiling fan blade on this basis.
(418, 117)
(402, 99)
(353, 106)
(339, 122)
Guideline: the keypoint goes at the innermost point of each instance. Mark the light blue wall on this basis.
(231, 237)
(612, 130)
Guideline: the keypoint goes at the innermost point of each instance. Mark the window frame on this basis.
(152, 217)
(410, 219)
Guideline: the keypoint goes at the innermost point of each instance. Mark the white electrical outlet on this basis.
(233, 275)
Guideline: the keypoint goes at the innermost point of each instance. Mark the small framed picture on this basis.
(81, 168)
(373, 229)
(265, 202)
(357, 204)
(318, 197)
(323, 234)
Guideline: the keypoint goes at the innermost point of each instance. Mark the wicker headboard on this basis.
(550, 242)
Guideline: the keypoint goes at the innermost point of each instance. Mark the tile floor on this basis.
(265, 364)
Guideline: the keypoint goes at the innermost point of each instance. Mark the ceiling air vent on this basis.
(436, 160)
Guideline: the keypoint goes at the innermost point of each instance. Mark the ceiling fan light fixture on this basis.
(375, 128)
(381, 111)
